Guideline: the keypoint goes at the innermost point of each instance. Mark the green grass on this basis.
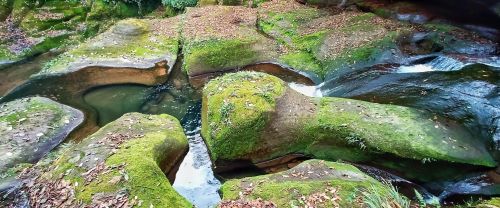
(372, 198)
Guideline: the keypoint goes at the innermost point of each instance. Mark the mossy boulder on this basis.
(125, 162)
(218, 38)
(256, 117)
(131, 43)
(316, 183)
(320, 41)
(31, 127)
(492, 203)
(330, 3)
(36, 27)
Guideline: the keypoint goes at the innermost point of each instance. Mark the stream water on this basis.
(195, 179)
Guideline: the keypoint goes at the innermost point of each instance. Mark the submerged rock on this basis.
(31, 127)
(316, 183)
(256, 117)
(124, 163)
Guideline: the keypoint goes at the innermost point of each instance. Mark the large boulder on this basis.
(31, 127)
(131, 43)
(124, 163)
(314, 183)
(320, 41)
(462, 91)
(35, 27)
(218, 38)
(256, 117)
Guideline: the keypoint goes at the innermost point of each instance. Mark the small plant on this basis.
(373, 198)
(356, 140)
(225, 110)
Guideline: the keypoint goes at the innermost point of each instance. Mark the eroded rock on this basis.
(218, 38)
(35, 27)
(31, 127)
(130, 43)
(256, 117)
(125, 163)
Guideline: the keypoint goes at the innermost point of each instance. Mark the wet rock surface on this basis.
(283, 122)
(32, 127)
(468, 95)
(125, 163)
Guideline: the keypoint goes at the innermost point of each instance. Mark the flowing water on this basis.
(195, 179)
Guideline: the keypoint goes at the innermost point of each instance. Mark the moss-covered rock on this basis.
(125, 162)
(31, 127)
(316, 183)
(218, 38)
(320, 42)
(130, 43)
(256, 117)
(243, 100)
(36, 27)
(102, 9)
(492, 203)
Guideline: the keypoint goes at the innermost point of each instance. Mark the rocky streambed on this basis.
(270, 104)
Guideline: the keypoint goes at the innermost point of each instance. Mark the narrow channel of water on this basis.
(195, 178)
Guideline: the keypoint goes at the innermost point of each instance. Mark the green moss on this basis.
(303, 61)
(402, 131)
(494, 202)
(235, 111)
(144, 45)
(294, 188)
(61, 11)
(364, 55)
(5, 53)
(218, 55)
(236, 108)
(180, 4)
(5, 8)
(14, 171)
(141, 158)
